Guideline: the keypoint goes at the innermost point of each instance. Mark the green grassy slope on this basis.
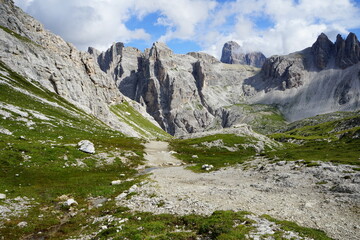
(322, 138)
(235, 150)
(39, 157)
(262, 118)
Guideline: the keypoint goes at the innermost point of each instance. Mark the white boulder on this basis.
(116, 182)
(2, 196)
(86, 146)
(22, 224)
(70, 202)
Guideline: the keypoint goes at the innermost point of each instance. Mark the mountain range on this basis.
(196, 92)
(81, 131)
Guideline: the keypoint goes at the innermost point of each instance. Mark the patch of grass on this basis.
(138, 122)
(216, 156)
(220, 225)
(18, 36)
(263, 118)
(344, 152)
(303, 231)
(332, 141)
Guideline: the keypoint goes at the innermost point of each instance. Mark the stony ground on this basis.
(326, 197)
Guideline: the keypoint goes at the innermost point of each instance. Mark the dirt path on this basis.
(158, 155)
(325, 197)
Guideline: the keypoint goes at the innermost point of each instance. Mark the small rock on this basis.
(116, 182)
(194, 156)
(122, 175)
(207, 167)
(281, 163)
(70, 202)
(86, 146)
(2, 196)
(22, 224)
(121, 196)
(133, 188)
(104, 227)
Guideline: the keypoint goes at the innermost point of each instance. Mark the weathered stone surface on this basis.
(232, 53)
(86, 146)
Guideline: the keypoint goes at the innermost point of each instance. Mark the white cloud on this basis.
(98, 23)
(295, 26)
(292, 25)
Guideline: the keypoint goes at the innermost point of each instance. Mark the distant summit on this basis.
(232, 53)
(346, 52)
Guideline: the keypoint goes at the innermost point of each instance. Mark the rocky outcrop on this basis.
(122, 64)
(347, 52)
(341, 54)
(232, 53)
(322, 51)
(283, 72)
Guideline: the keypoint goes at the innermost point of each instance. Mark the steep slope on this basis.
(28, 49)
(316, 80)
(232, 53)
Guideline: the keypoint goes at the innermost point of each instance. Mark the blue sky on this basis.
(270, 26)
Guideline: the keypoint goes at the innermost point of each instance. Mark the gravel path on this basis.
(325, 197)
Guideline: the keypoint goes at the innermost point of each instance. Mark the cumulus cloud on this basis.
(270, 26)
(98, 23)
(293, 25)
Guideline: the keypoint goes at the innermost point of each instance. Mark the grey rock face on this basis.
(232, 53)
(322, 50)
(122, 64)
(281, 72)
(181, 92)
(347, 52)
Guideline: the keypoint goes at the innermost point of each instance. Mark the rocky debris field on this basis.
(324, 196)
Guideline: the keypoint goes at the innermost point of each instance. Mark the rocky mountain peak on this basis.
(105, 59)
(160, 49)
(347, 52)
(232, 53)
(322, 50)
(204, 57)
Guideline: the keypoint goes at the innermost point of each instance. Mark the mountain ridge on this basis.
(218, 86)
